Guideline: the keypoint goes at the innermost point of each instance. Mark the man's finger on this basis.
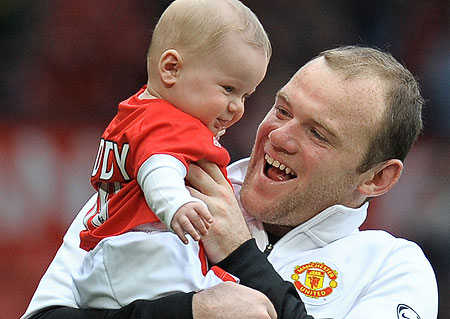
(205, 175)
(213, 170)
(199, 179)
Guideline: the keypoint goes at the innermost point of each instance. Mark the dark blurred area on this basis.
(65, 65)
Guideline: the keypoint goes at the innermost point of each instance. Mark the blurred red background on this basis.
(66, 64)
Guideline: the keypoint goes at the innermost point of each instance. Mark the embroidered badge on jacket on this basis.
(317, 281)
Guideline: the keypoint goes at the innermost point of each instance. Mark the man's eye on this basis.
(319, 136)
(282, 112)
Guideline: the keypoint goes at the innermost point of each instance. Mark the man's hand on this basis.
(228, 230)
(229, 301)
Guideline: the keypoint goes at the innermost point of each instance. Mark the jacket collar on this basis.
(333, 223)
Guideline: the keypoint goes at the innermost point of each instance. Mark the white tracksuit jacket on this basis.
(342, 272)
(338, 271)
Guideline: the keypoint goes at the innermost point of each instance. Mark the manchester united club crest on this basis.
(315, 280)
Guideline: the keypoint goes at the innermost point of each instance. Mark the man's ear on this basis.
(170, 64)
(380, 178)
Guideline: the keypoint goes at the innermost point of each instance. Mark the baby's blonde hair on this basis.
(199, 26)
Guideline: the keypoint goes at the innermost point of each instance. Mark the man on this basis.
(335, 138)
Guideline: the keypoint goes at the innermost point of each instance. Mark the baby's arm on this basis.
(161, 179)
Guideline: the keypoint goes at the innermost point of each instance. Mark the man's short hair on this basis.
(401, 123)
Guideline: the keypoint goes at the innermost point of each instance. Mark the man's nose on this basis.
(283, 140)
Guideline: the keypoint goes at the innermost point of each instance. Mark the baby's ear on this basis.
(169, 67)
(380, 178)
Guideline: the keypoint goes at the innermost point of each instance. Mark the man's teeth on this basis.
(278, 165)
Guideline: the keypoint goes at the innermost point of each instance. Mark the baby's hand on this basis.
(192, 218)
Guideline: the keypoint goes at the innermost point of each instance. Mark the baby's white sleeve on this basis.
(161, 178)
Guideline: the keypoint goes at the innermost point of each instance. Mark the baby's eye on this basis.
(229, 89)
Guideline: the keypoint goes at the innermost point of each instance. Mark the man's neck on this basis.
(275, 232)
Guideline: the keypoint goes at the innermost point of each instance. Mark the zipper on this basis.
(268, 249)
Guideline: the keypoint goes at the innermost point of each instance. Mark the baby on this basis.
(205, 58)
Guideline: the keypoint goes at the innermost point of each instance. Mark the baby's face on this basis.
(214, 88)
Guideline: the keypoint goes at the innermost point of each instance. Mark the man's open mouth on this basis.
(277, 171)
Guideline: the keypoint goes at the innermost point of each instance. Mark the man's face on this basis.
(310, 144)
